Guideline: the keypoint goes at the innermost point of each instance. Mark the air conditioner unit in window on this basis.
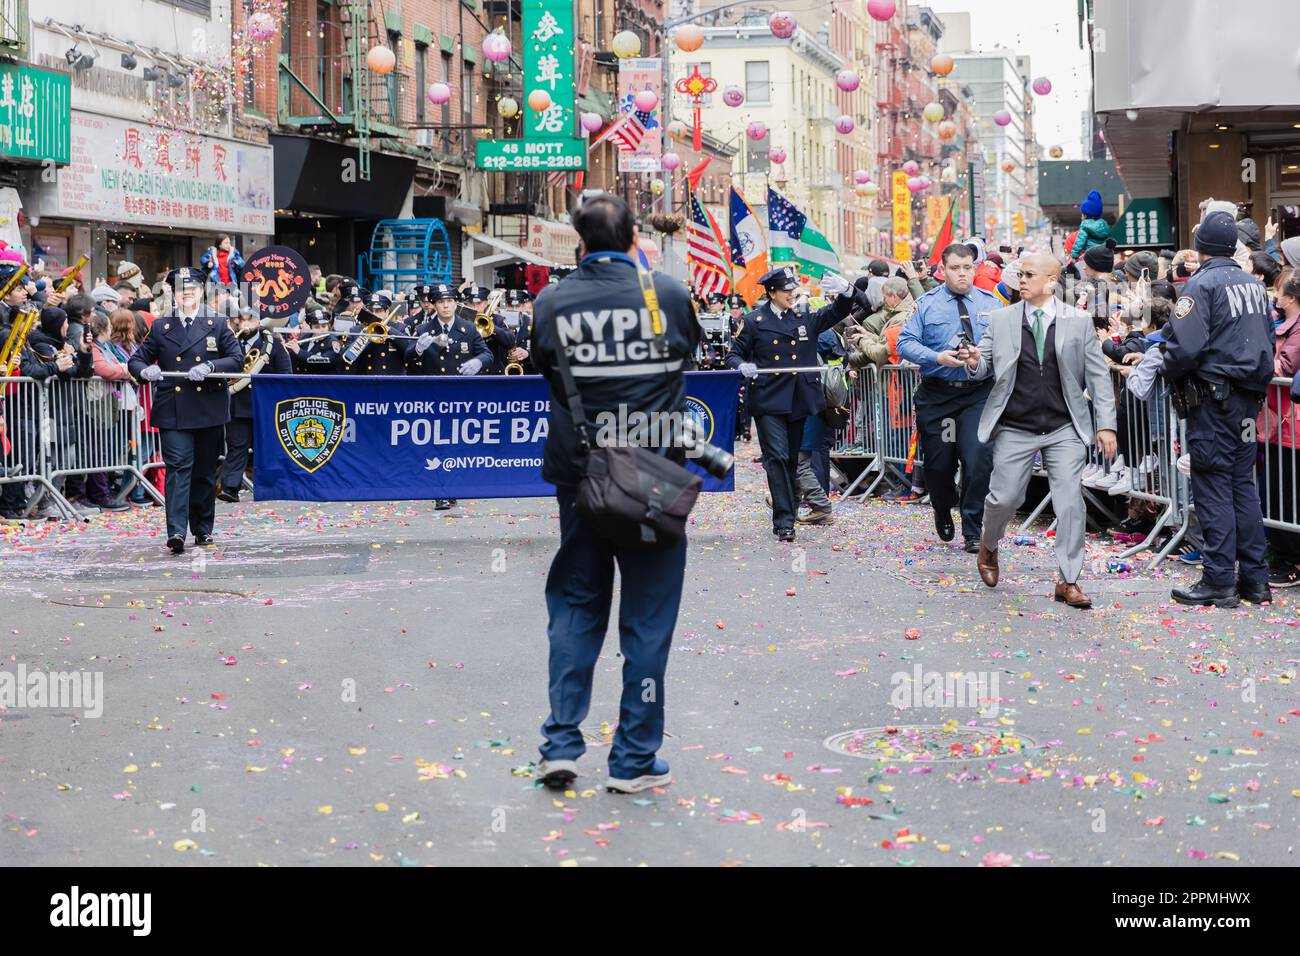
(424, 137)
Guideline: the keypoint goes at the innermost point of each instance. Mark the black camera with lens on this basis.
(716, 461)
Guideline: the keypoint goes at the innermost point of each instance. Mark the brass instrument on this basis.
(486, 327)
(11, 354)
(517, 369)
(375, 332)
(254, 362)
(14, 279)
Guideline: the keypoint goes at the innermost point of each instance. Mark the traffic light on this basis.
(1018, 224)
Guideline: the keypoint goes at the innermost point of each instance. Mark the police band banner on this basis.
(328, 438)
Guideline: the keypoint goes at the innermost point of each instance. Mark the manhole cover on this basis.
(928, 743)
(146, 599)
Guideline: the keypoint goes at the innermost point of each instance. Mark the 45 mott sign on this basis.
(527, 155)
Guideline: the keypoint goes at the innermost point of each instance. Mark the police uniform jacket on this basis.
(499, 344)
(241, 402)
(770, 340)
(598, 313)
(464, 343)
(381, 358)
(179, 403)
(322, 357)
(523, 334)
(1221, 328)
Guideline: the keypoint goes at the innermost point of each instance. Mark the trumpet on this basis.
(486, 327)
(514, 368)
(376, 332)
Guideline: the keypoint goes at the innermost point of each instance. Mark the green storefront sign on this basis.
(548, 42)
(532, 155)
(1146, 222)
(35, 114)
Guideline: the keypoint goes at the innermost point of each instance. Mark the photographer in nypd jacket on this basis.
(601, 316)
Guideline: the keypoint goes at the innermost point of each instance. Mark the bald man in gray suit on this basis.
(1043, 355)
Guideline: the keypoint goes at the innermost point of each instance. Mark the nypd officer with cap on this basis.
(387, 357)
(1219, 353)
(190, 412)
(446, 344)
(320, 353)
(775, 336)
(602, 319)
(518, 320)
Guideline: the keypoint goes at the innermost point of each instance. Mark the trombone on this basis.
(483, 321)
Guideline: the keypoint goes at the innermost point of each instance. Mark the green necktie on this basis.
(1040, 336)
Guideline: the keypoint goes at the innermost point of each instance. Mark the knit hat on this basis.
(1139, 261)
(1092, 205)
(1217, 235)
(1248, 233)
(105, 293)
(878, 267)
(1100, 258)
(1219, 205)
(129, 273)
(1291, 251)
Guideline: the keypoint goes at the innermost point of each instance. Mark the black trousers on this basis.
(1223, 487)
(239, 439)
(780, 437)
(191, 457)
(947, 421)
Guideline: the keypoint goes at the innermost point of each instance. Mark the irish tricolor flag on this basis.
(792, 239)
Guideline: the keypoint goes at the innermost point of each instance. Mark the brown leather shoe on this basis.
(987, 563)
(1072, 595)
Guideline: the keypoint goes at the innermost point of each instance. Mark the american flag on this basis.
(626, 132)
(706, 253)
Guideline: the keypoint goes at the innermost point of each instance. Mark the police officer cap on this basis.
(317, 317)
(780, 279)
(518, 296)
(439, 291)
(186, 274)
(735, 301)
(378, 302)
(1217, 235)
(715, 298)
(475, 294)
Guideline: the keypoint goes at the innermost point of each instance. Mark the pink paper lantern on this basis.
(496, 47)
(380, 59)
(261, 26)
(848, 80)
(733, 96)
(915, 184)
(672, 161)
(782, 25)
(844, 124)
(1002, 118)
(776, 155)
(861, 177)
(591, 121)
(1042, 86)
(756, 130)
(881, 9)
(439, 93)
(646, 100)
(912, 167)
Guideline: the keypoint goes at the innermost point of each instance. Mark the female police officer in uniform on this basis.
(191, 413)
(777, 336)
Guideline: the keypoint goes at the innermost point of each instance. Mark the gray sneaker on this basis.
(557, 774)
(658, 776)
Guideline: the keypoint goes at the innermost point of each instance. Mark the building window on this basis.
(421, 56)
(756, 81)
(757, 161)
(1288, 172)
(446, 78)
(394, 104)
(322, 53)
(467, 93)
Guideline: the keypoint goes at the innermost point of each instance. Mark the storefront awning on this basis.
(486, 250)
(307, 179)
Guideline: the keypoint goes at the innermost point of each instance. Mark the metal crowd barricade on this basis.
(95, 428)
(25, 432)
(1152, 441)
(1277, 433)
(859, 437)
(147, 443)
(900, 446)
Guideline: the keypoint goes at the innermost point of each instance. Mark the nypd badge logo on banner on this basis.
(310, 429)
(703, 415)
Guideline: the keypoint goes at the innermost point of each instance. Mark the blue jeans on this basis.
(579, 590)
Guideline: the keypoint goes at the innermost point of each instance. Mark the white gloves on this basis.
(748, 369)
(422, 343)
(471, 367)
(833, 285)
(199, 372)
(151, 373)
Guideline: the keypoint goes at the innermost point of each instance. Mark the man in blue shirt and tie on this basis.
(948, 404)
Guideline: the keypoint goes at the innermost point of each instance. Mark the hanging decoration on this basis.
(733, 96)
(688, 37)
(671, 161)
(695, 86)
(881, 9)
(380, 59)
(507, 106)
(626, 45)
(844, 124)
(912, 168)
(861, 176)
(782, 25)
(941, 64)
(1002, 118)
(591, 122)
(1042, 86)
(646, 100)
(776, 155)
(496, 47)
(848, 80)
(539, 101)
(440, 93)
(947, 131)
(756, 130)
(933, 112)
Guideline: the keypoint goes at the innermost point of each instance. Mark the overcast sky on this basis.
(1048, 32)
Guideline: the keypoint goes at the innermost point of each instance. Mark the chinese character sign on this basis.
(35, 107)
(549, 43)
(902, 217)
(635, 75)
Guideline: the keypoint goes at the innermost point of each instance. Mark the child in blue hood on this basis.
(1093, 230)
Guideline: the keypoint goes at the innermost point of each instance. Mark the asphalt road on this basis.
(363, 684)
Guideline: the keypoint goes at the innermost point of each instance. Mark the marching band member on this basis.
(321, 352)
(387, 357)
(190, 415)
(271, 356)
(519, 322)
(500, 342)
